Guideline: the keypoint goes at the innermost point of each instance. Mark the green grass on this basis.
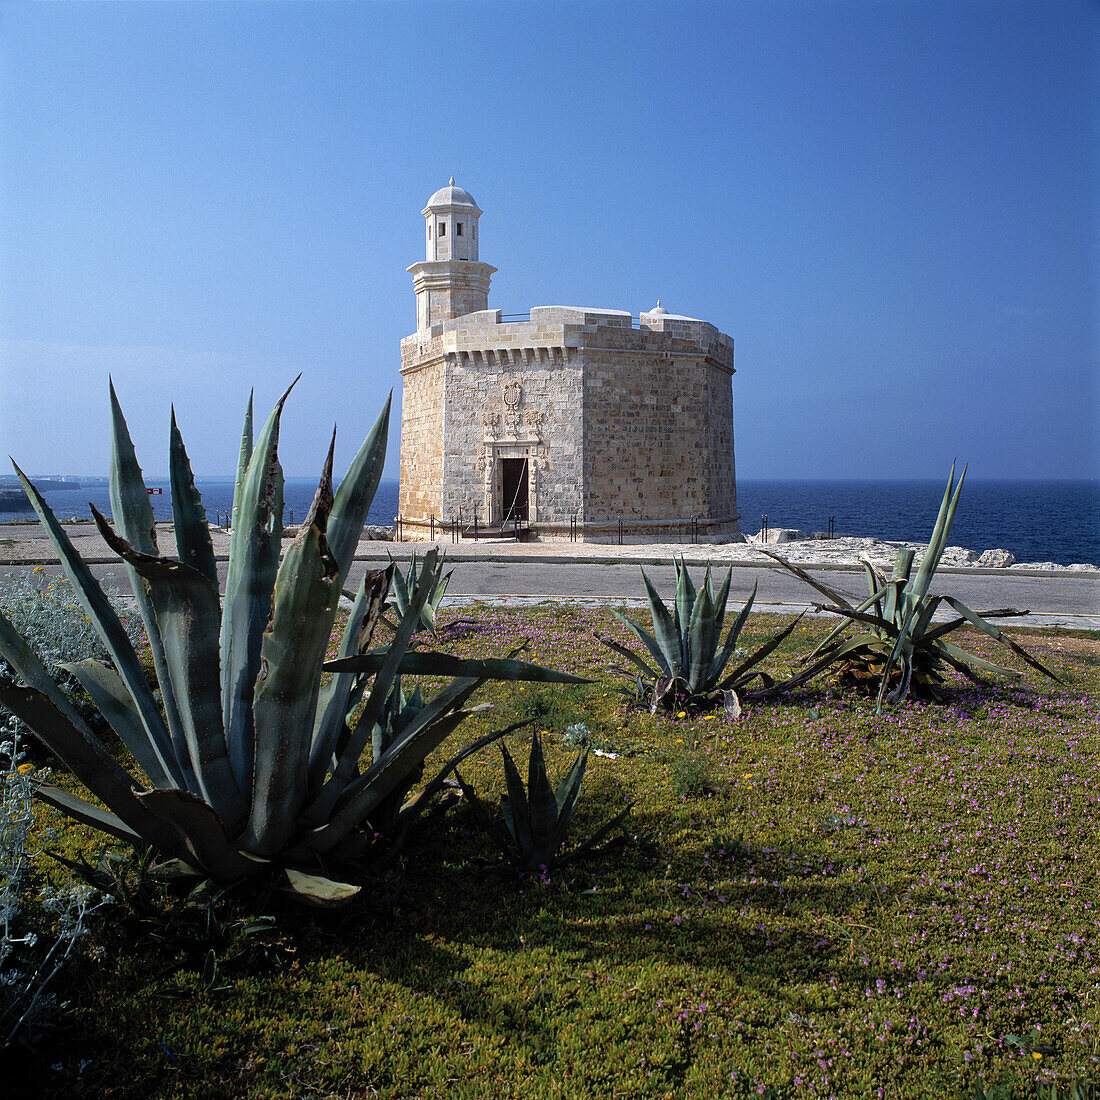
(846, 904)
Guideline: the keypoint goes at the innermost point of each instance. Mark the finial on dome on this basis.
(658, 303)
(451, 182)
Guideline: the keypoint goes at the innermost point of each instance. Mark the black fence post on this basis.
(475, 525)
(433, 527)
(620, 531)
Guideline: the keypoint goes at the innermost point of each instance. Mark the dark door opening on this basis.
(514, 485)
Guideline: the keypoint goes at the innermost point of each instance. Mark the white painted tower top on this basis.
(451, 231)
(451, 195)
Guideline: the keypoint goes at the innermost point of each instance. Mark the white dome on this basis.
(452, 196)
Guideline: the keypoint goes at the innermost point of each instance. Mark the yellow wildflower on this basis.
(682, 714)
(1036, 1055)
(25, 769)
(39, 569)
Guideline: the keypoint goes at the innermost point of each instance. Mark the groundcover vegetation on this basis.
(808, 900)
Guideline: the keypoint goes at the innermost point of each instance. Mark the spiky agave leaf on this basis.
(542, 805)
(105, 688)
(336, 697)
(111, 632)
(406, 587)
(285, 700)
(133, 515)
(352, 500)
(999, 635)
(666, 630)
(683, 607)
(700, 641)
(185, 605)
(193, 542)
(431, 663)
(253, 564)
(566, 796)
(917, 587)
(724, 655)
(243, 460)
(410, 810)
(516, 810)
(318, 812)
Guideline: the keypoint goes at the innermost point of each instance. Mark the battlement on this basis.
(567, 329)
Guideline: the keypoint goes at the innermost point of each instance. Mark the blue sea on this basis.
(1038, 521)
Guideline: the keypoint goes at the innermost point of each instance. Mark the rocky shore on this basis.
(803, 549)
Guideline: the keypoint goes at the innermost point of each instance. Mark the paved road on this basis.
(1062, 595)
(1056, 595)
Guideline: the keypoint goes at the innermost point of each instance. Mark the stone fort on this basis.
(567, 423)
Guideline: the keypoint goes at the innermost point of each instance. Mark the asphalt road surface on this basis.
(1056, 595)
(1060, 595)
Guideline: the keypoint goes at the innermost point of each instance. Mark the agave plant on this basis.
(688, 649)
(537, 818)
(254, 763)
(405, 590)
(899, 650)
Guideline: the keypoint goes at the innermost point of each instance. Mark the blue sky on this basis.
(891, 206)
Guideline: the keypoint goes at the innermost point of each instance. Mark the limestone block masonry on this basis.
(570, 420)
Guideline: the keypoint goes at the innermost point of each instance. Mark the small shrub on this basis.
(47, 612)
(29, 962)
(691, 775)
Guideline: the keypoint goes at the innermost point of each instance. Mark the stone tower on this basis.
(575, 422)
(450, 282)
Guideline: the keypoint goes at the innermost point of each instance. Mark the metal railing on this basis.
(458, 527)
(506, 318)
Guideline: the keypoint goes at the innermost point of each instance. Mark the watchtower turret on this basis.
(451, 282)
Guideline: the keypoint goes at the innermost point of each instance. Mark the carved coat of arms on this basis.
(513, 394)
